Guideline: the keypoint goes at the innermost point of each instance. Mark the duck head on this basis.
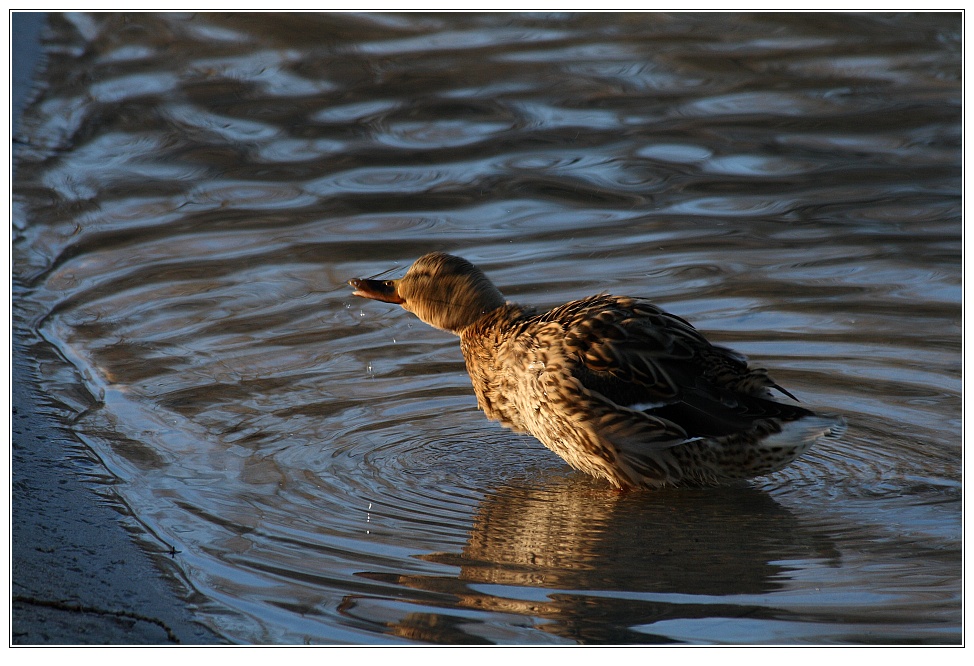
(444, 291)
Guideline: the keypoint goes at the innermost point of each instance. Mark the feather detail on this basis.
(616, 386)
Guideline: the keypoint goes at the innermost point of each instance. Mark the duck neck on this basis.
(500, 320)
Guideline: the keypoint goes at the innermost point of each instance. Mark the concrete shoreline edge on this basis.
(78, 575)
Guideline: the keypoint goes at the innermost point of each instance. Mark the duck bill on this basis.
(377, 290)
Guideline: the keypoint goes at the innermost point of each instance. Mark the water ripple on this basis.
(189, 207)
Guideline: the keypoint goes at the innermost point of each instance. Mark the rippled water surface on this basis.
(193, 191)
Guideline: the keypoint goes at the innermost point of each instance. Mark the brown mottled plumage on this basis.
(613, 384)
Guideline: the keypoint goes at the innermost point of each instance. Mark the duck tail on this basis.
(801, 434)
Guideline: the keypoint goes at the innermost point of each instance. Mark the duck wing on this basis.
(644, 359)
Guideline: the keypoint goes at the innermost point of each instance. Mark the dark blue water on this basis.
(195, 190)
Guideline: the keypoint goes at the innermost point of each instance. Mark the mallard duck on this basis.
(617, 387)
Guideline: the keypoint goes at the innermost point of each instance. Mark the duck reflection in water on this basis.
(604, 567)
(613, 384)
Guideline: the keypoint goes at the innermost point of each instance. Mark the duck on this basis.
(616, 386)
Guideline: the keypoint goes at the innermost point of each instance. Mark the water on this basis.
(195, 189)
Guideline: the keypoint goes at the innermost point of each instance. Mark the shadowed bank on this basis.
(77, 575)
